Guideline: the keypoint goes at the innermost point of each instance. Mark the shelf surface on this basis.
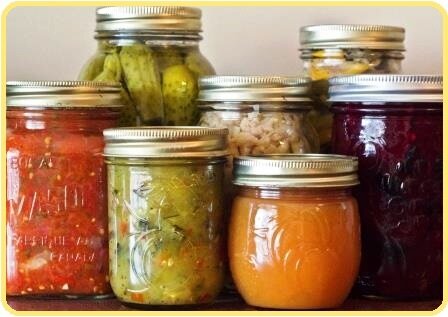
(225, 303)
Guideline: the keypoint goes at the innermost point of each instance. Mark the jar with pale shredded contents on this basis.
(264, 132)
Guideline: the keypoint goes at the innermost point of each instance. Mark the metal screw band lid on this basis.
(296, 171)
(148, 19)
(236, 89)
(166, 142)
(363, 36)
(386, 88)
(62, 94)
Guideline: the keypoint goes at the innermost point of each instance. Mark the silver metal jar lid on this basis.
(62, 94)
(327, 36)
(240, 89)
(165, 142)
(141, 19)
(386, 88)
(296, 171)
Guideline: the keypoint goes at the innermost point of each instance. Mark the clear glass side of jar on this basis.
(56, 202)
(400, 152)
(287, 246)
(159, 77)
(264, 131)
(166, 230)
(322, 64)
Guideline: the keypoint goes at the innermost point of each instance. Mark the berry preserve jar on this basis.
(393, 124)
(56, 205)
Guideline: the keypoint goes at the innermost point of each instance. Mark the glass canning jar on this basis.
(264, 114)
(393, 124)
(154, 53)
(345, 49)
(294, 236)
(56, 214)
(165, 190)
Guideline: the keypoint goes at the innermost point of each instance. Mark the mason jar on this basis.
(294, 234)
(154, 53)
(165, 188)
(394, 125)
(56, 213)
(346, 49)
(264, 114)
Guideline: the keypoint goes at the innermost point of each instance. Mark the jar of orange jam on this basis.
(294, 236)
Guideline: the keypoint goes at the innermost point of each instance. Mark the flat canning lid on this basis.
(143, 19)
(386, 88)
(363, 36)
(232, 92)
(165, 142)
(296, 171)
(62, 94)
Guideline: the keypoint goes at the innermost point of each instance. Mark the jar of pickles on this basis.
(153, 52)
(56, 214)
(165, 190)
(345, 49)
(294, 236)
(264, 114)
(393, 124)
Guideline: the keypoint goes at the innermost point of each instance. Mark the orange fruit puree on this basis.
(300, 250)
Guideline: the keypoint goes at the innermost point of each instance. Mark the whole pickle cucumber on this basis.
(142, 79)
(92, 68)
(180, 90)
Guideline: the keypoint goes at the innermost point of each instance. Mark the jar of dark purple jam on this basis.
(393, 124)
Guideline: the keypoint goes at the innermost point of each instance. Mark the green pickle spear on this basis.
(143, 82)
(180, 90)
(92, 68)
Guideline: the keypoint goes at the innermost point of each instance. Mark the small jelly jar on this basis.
(56, 205)
(294, 235)
(393, 124)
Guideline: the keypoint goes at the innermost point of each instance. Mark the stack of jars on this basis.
(199, 172)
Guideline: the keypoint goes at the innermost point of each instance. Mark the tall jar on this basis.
(345, 49)
(154, 53)
(56, 214)
(294, 236)
(264, 114)
(165, 190)
(393, 124)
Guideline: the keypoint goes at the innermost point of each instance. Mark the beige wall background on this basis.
(52, 43)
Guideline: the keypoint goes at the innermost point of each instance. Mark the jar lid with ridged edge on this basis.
(165, 142)
(296, 171)
(386, 88)
(147, 19)
(363, 36)
(62, 94)
(240, 89)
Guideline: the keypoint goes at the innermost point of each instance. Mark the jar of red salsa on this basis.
(56, 204)
(393, 124)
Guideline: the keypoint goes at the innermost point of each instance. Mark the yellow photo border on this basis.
(271, 3)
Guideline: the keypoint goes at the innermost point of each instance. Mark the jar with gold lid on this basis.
(294, 235)
(165, 189)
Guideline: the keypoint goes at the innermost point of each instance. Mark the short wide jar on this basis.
(56, 214)
(165, 188)
(294, 236)
(394, 125)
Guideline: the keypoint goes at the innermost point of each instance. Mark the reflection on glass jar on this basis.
(294, 240)
(56, 187)
(335, 50)
(165, 214)
(154, 53)
(396, 132)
